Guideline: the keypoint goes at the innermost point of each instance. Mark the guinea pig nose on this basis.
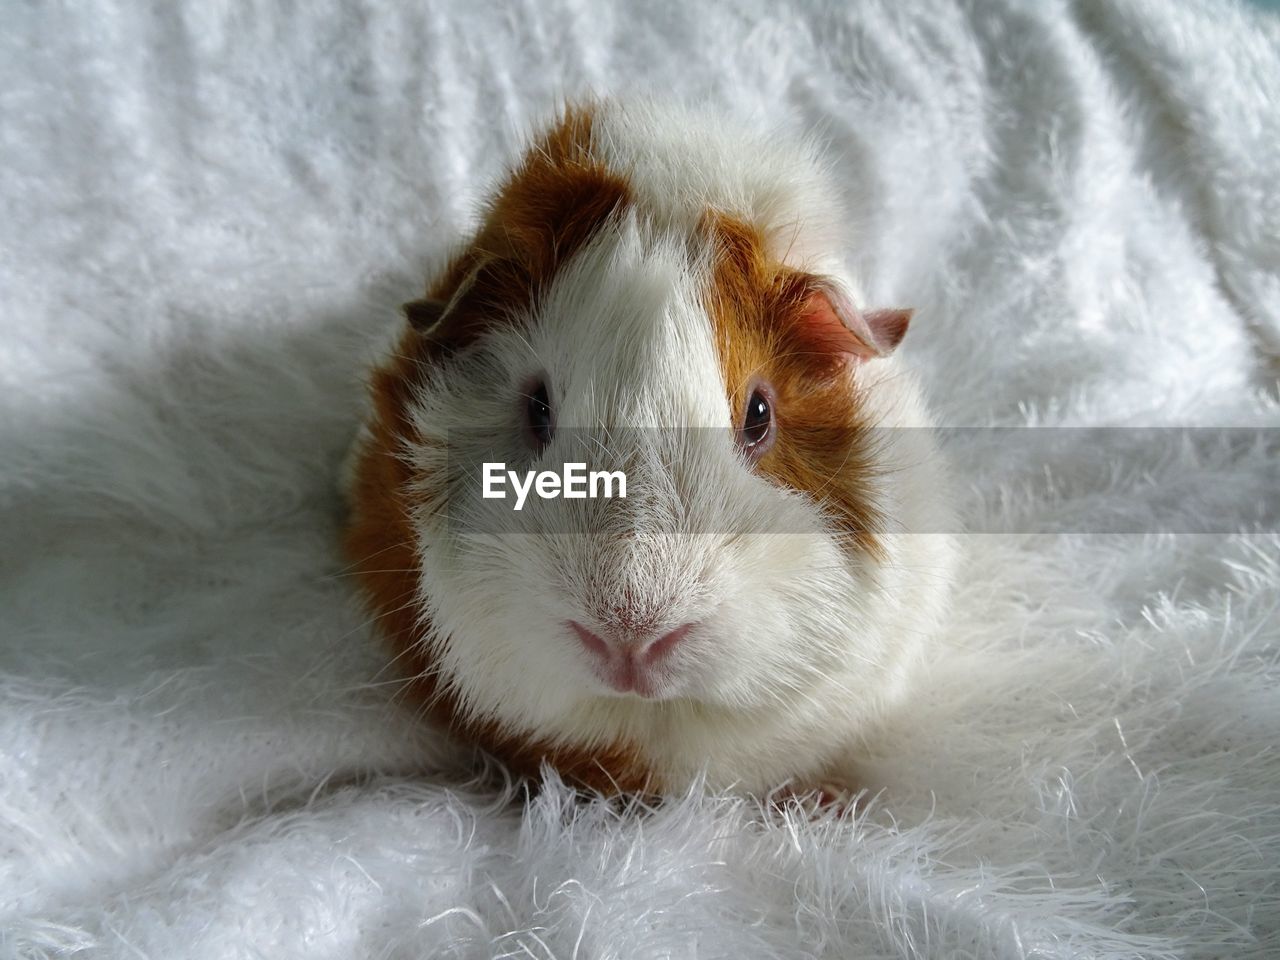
(627, 666)
(647, 652)
(659, 649)
(589, 639)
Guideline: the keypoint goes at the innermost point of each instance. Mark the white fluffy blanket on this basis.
(210, 211)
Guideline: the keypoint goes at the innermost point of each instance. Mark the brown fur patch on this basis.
(548, 207)
(545, 210)
(823, 444)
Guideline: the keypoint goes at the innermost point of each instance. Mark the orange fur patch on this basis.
(763, 318)
(544, 212)
(548, 207)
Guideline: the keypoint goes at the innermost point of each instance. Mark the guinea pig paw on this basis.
(818, 800)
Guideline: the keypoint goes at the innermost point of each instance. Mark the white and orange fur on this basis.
(648, 261)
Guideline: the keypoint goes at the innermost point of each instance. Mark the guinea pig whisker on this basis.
(357, 573)
(835, 473)
(400, 682)
(354, 564)
(807, 694)
(394, 660)
(329, 652)
(603, 448)
(414, 360)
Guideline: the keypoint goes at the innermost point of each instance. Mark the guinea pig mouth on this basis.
(641, 669)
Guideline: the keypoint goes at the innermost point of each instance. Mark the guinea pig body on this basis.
(667, 290)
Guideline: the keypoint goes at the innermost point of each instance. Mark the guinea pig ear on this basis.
(830, 317)
(424, 314)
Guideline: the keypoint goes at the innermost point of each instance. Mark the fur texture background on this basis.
(210, 213)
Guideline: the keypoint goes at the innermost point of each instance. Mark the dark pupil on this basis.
(755, 426)
(539, 414)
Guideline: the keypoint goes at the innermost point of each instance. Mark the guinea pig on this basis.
(757, 603)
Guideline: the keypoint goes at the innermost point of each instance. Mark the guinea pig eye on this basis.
(537, 415)
(756, 434)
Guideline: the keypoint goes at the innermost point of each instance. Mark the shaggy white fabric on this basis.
(210, 213)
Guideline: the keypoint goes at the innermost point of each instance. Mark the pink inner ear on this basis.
(888, 327)
(833, 325)
(824, 331)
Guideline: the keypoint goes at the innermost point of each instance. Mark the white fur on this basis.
(212, 210)
(681, 161)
